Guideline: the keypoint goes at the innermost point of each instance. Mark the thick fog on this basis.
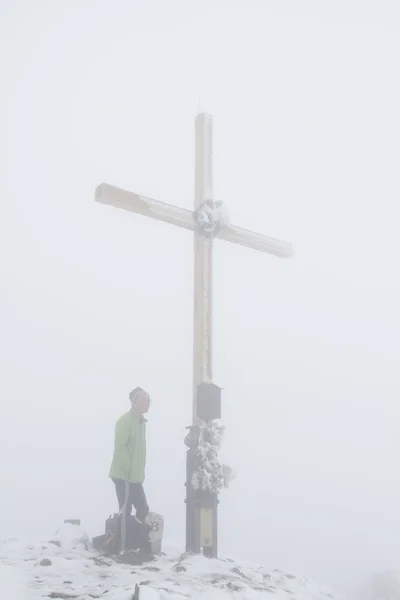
(94, 301)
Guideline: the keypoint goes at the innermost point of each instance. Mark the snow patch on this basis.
(81, 573)
(71, 536)
(12, 584)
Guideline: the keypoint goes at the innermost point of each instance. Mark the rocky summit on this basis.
(65, 566)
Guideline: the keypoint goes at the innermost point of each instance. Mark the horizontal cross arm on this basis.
(257, 241)
(161, 211)
(141, 205)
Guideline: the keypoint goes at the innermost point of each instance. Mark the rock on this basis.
(146, 593)
(62, 596)
(45, 562)
(180, 568)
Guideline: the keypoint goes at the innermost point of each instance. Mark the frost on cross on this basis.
(210, 474)
(211, 217)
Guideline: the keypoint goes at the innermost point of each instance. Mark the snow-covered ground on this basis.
(66, 567)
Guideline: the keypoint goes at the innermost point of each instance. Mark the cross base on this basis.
(201, 506)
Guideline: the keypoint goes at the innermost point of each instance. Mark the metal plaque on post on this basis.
(208, 401)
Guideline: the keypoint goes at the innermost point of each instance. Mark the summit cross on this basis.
(208, 222)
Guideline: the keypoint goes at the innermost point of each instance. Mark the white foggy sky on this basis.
(305, 98)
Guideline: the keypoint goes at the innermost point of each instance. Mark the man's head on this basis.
(140, 400)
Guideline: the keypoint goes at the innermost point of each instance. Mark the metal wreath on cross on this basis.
(211, 217)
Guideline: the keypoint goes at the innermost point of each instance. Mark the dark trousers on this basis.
(136, 498)
(131, 532)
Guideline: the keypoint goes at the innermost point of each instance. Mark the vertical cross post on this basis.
(201, 508)
(203, 250)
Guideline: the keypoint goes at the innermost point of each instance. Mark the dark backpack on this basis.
(113, 536)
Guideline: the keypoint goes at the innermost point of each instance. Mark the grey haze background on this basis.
(305, 99)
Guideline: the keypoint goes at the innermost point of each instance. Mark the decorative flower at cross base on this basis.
(211, 217)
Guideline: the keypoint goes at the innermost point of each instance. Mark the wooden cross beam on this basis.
(204, 235)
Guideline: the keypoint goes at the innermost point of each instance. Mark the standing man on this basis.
(128, 471)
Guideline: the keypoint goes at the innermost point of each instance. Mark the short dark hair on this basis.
(134, 393)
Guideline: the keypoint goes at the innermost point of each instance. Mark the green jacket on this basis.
(129, 458)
